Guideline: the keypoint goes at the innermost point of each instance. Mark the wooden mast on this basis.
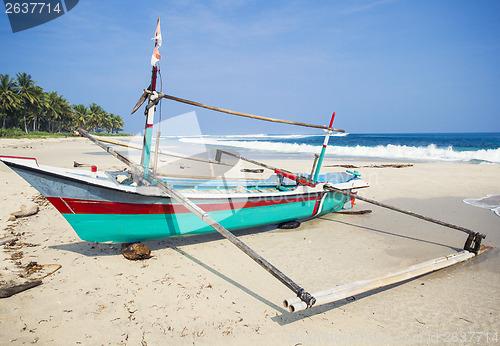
(148, 130)
(150, 109)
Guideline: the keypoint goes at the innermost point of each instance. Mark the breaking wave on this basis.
(390, 151)
(491, 202)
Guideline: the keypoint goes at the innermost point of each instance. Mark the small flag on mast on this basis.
(156, 54)
(155, 57)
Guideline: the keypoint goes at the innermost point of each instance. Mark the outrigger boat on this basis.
(101, 209)
(139, 204)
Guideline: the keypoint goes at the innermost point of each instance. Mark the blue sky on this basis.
(382, 65)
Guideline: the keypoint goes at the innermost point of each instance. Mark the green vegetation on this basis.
(27, 110)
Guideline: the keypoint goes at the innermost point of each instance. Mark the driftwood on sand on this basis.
(10, 289)
(15, 286)
(391, 165)
(354, 212)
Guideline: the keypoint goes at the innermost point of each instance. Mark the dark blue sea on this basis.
(426, 147)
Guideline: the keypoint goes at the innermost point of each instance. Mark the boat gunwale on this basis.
(108, 184)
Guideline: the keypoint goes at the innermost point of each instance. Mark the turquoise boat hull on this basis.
(100, 209)
(135, 227)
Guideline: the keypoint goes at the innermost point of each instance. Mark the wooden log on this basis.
(341, 292)
(258, 117)
(250, 170)
(354, 212)
(392, 165)
(77, 164)
(11, 289)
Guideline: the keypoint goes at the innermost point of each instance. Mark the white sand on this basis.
(203, 290)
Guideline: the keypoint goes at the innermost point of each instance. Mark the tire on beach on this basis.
(289, 225)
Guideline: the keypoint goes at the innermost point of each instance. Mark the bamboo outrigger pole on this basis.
(304, 296)
(348, 290)
(246, 115)
(164, 153)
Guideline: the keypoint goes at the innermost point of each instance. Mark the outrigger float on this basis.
(139, 204)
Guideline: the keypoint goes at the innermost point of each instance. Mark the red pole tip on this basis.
(331, 121)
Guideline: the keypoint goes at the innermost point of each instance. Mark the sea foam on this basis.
(390, 151)
(491, 202)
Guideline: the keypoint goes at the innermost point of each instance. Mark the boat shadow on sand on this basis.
(90, 249)
(284, 317)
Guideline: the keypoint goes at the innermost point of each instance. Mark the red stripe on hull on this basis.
(316, 205)
(60, 205)
(78, 206)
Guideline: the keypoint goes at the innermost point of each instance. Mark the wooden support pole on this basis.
(258, 117)
(160, 152)
(299, 178)
(196, 210)
(426, 218)
(219, 153)
(316, 157)
(109, 149)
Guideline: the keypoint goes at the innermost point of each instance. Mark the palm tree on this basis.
(38, 105)
(116, 123)
(66, 112)
(9, 98)
(58, 110)
(26, 92)
(96, 115)
(81, 115)
(53, 109)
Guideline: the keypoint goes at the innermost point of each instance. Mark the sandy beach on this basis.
(203, 290)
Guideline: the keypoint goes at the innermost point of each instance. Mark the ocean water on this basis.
(491, 202)
(474, 148)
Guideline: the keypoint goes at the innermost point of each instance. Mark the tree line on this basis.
(25, 105)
